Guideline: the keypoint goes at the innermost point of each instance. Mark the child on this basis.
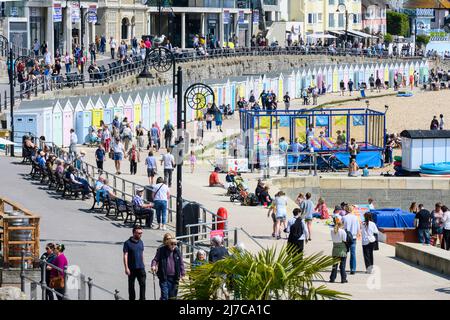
(192, 160)
(366, 171)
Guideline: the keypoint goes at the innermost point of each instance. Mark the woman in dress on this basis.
(56, 275)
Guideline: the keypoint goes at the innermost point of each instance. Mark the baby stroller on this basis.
(240, 190)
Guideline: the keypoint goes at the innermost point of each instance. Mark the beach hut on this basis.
(58, 124)
(233, 92)
(366, 74)
(173, 109)
(33, 117)
(308, 78)
(291, 85)
(298, 84)
(351, 75)
(83, 119)
(153, 108)
(227, 93)
(158, 108)
(280, 87)
(128, 110)
(108, 111)
(137, 107)
(118, 106)
(335, 79)
(340, 74)
(146, 111)
(417, 69)
(68, 121)
(356, 76)
(386, 72)
(345, 77)
(329, 79)
(372, 71)
(391, 75)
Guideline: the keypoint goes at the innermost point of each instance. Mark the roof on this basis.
(426, 4)
(360, 34)
(425, 134)
(36, 104)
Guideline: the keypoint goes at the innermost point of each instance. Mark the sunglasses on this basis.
(139, 232)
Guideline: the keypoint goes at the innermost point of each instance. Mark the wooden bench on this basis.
(71, 189)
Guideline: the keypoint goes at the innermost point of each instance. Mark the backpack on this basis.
(251, 200)
(349, 240)
(296, 230)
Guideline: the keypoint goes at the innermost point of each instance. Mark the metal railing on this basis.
(84, 287)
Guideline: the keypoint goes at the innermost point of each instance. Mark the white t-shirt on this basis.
(168, 159)
(340, 236)
(370, 230)
(161, 194)
(118, 147)
(280, 204)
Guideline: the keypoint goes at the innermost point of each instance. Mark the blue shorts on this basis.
(219, 123)
(118, 156)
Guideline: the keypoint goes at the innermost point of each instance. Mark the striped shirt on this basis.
(138, 202)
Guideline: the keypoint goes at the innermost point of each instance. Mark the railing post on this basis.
(235, 236)
(123, 189)
(286, 168)
(116, 294)
(89, 288)
(82, 288)
(43, 282)
(65, 283)
(114, 183)
(315, 164)
(33, 291)
(22, 270)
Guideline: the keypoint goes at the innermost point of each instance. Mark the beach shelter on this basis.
(137, 107)
(346, 77)
(335, 79)
(146, 111)
(58, 124)
(128, 110)
(68, 121)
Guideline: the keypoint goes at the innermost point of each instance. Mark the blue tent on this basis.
(393, 218)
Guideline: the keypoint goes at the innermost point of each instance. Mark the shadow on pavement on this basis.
(433, 272)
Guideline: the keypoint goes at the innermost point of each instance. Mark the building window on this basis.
(331, 2)
(331, 20)
(319, 17)
(340, 20)
(341, 1)
(310, 18)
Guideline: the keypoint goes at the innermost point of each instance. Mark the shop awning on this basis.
(320, 36)
(360, 34)
(337, 32)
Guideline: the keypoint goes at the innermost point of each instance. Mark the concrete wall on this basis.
(388, 192)
(428, 256)
(199, 71)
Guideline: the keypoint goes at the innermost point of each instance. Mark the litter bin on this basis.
(222, 215)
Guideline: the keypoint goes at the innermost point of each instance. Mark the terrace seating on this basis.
(71, 189)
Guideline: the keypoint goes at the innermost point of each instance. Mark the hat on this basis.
(337, 208)
(140, 189)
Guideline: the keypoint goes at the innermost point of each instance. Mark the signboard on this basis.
(295, 29)
(75, 12)
(255, 16)
(57, 12)
(226, 16)
(241, 17)
(242, 4)
(238, 165)
(423, 26)
(92, 14)
(438, 36)
(212, 23)
(14, 12)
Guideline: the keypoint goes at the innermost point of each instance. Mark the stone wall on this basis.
(388, 192)
(220, 68)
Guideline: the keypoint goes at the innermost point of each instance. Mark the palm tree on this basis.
(262, 276)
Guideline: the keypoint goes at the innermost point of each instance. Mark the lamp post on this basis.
(11, 65)
(162, 60)
(346, 14)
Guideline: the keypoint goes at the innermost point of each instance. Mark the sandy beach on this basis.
(409, 113)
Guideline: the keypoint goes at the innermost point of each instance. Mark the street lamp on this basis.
(162, 60)
(11, 66)
(347, 14)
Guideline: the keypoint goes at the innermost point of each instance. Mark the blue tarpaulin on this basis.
(393, 218)
(371, 158)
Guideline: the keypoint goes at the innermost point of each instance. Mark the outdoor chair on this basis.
(71, 189)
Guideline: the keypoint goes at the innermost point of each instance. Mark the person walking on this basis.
(352, 225)
(168, 161)
(200, 130)
(140, 136)
(100, 157)
(350, 86)
(152, 168)
(423, 225)
(446, 227)
(287, 101)
(208, 118)
(73, 144)
(368, 231)
(298, 232)
(168, 134)
(441, 122)
(339, 237)
(127, 136)
(160, 198)
(48, 256)
(113, 45)
(192, 161)
(437, 225)
(307, 208)
(133, 261)
(279, 212)
(218, 118)
(56, 275)
(169, 267)
(119, 152)
(342, 87)
(106, 138)
(133, 155)
(154, 138)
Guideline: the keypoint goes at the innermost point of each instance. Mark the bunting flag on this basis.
(322, 121)
(284, 121)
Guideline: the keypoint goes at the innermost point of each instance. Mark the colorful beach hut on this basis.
(68, 121)
(58, 124)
